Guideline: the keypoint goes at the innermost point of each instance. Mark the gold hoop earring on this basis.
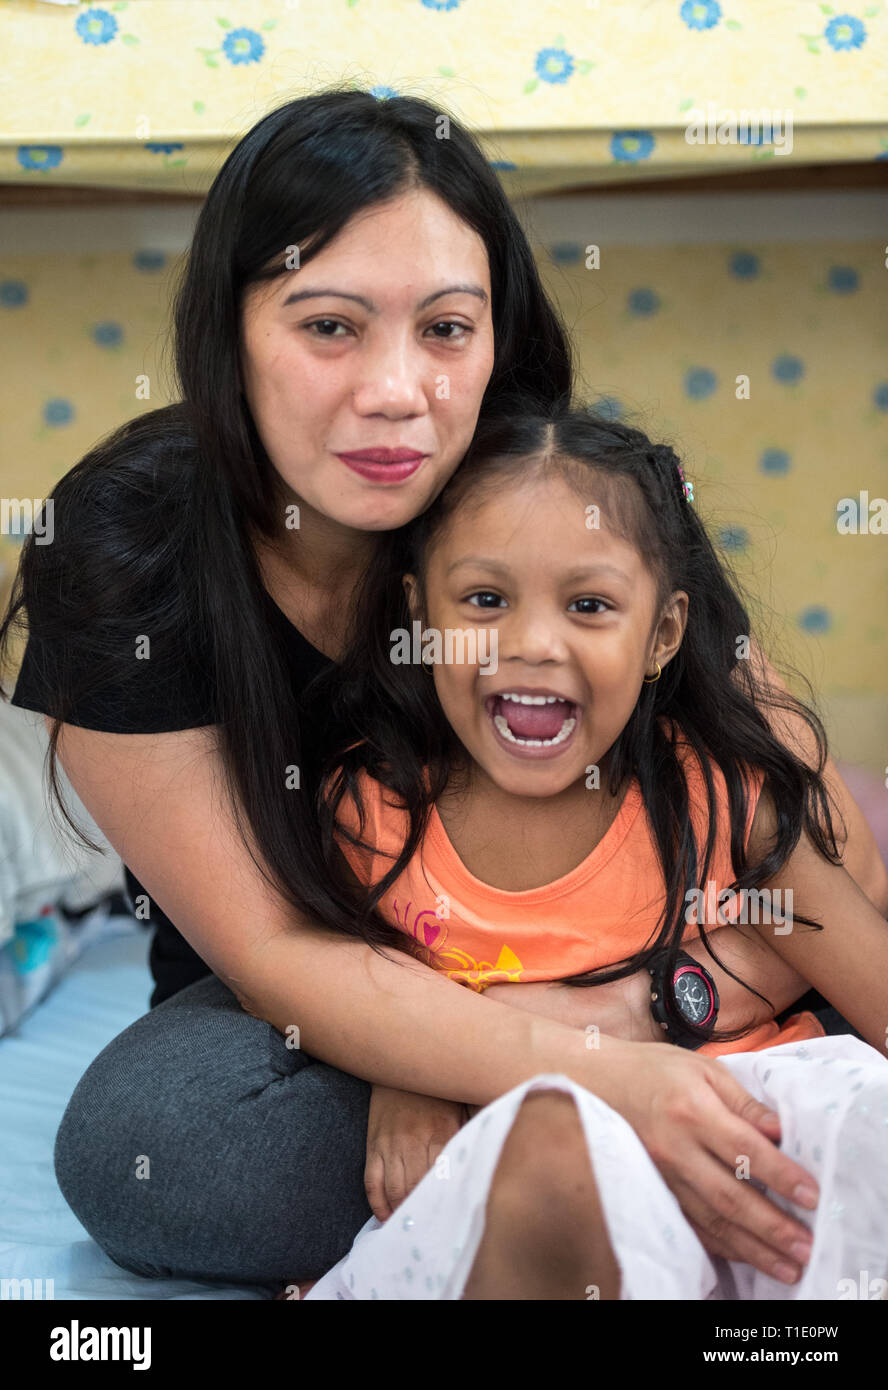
(649, 680)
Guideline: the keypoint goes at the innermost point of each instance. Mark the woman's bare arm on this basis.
(622, 1008)
(861, 853)
(159, 799)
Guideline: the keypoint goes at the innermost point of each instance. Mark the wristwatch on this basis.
(694, 998)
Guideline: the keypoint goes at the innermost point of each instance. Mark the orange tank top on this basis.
(599, 914)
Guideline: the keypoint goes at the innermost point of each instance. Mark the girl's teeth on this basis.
(534, 699)
(564, 732)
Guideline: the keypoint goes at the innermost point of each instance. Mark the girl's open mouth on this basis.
(537, 726)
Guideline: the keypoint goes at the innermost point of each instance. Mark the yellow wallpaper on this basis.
(662, 334)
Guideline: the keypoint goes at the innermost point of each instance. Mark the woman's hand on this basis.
(707, 1137)
(405, 1134)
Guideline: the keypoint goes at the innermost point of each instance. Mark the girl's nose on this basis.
(532, 636)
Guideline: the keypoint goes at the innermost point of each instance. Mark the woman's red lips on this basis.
(386, 466)
(382, 455)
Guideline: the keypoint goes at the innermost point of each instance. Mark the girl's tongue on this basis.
(532, 721)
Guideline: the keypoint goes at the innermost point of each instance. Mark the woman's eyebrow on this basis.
(371, 307)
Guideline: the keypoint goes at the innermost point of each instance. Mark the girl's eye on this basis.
(589, 610)
(483, 594)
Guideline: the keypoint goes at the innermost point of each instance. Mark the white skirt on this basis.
(832, 1098)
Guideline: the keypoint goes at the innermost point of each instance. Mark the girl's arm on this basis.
(861, 853)
(848, 960)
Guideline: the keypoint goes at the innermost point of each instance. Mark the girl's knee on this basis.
(544, 1212)
(544, 1174)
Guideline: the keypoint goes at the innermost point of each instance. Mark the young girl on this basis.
(575, 779)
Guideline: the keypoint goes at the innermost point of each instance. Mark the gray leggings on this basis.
(254, 1153)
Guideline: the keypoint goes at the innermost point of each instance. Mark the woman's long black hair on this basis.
(156, 520)
(391, 723)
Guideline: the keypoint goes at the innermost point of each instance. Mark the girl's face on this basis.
(384, 340)
(573, 611)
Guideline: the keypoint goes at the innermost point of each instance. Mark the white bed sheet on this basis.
(40, 1064)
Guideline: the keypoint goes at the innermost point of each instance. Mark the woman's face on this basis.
(573, 611)
(390, 347)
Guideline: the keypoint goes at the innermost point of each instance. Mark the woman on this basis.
(204, 566)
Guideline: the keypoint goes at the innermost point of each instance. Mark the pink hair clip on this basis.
(687, 488)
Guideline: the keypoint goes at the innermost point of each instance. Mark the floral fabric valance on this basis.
(152, 94)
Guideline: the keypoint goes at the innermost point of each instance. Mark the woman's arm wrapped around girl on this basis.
(622, 1008)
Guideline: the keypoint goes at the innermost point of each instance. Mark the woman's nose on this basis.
(391, 381)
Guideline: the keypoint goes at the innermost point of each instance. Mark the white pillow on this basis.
(41, 864)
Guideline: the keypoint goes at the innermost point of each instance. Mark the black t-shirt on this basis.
(174, 689)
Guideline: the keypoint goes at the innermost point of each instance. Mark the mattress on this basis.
(40, 1064)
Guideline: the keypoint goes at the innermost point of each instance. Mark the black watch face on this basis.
(693, 997)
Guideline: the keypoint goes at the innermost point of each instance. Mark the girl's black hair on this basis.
(393, 727)
(157, 518)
